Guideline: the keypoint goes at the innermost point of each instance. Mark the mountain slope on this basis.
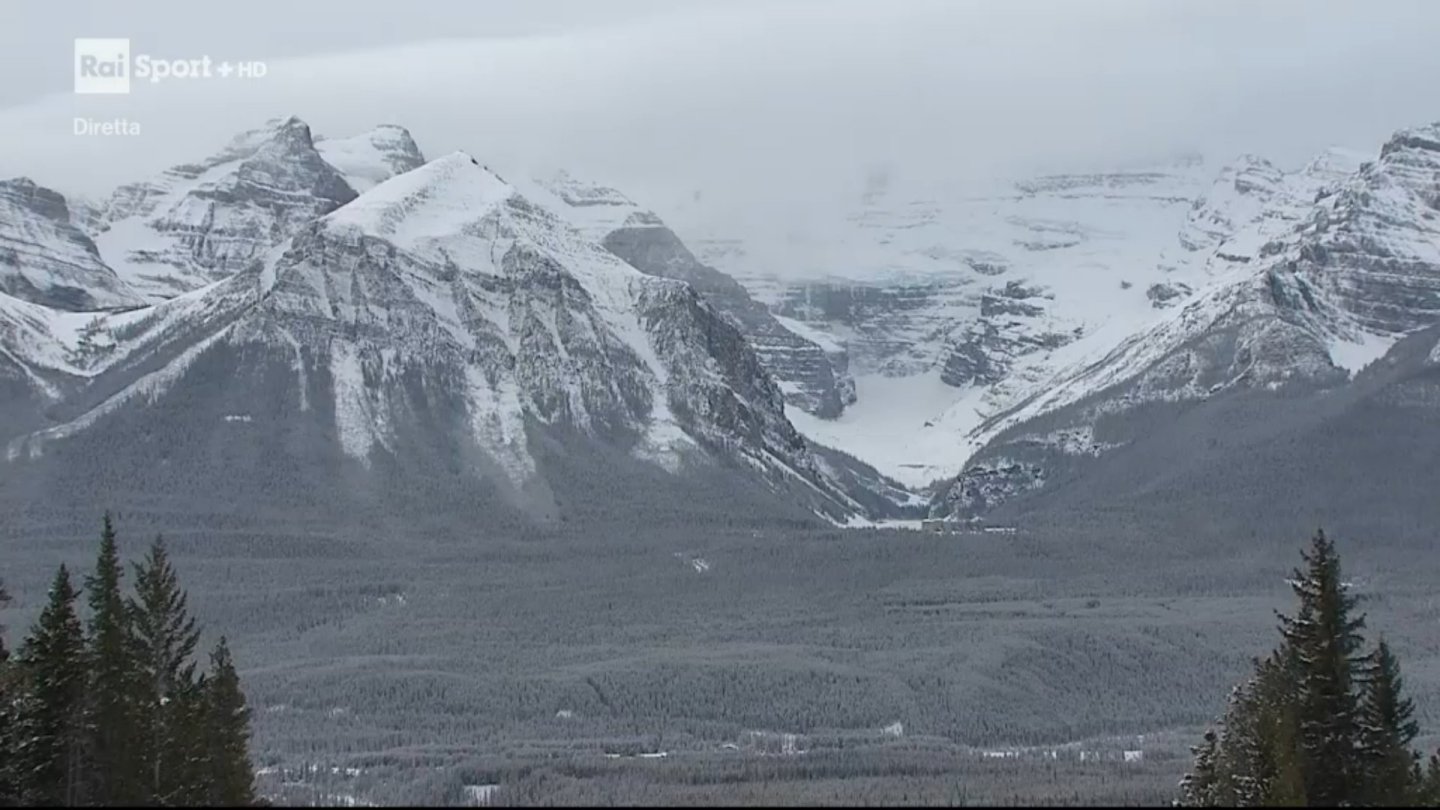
(951, 302)
(46, 259)
(373, 157)
(1361, 459)
(192, 225)
(439, 323)
(813, 373)
(198, 223)
(965, 313)
(1298, 317)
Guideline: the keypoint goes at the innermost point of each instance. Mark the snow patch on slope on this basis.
(435, 201)
(911, 429)
(1355, 355)
(665, 444)
(358, 422)
(370, 159)
(35, 335)
(595, 210)
(86, 344)
(303, 378)
(497, 420)
(827, 344)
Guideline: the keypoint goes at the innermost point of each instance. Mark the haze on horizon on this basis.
(781, 106)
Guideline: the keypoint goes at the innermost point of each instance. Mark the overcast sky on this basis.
(782, 99)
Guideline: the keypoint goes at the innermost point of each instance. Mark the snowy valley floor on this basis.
(742, 664)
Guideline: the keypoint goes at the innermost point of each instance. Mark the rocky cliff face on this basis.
(440, 319)
(46, 259)
(813, 375)
(984, 352)
(1244, 467)
(1372, 247)
(191, 226)
(894, 328)
(1302, 297)
(968, 312)
(199, 223)
(1251, 207)
(812, 379)
(952, 302)
(1018, 336)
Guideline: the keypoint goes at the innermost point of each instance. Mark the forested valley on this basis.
(724, 672)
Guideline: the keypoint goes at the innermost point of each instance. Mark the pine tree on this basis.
(1200, 787)
(1387, 729)
(1325, 640)
(1279, 730)
(189, 760)
(111, 711)
(1257, 761)
(51, 713)
(231, 777)
(1241, 775)
(164, 638)
(1430, 789)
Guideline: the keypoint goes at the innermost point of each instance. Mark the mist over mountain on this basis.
(786, 402)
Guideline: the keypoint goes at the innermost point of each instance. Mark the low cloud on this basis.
(785, 105)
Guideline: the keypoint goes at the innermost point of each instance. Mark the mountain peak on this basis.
(1250, 173)
(373, 157)
(35, 197)
(294, 130)
(292, 123)
(1247, 160)
(290, 133)
(435, 199)
(1336, 163)
(582, 193)
(198, 223)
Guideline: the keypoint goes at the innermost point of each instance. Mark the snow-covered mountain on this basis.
(812, 371)
(46, 259)
(967, 313)
(371, 158)
(980, 347)
(1251, 204)
(1249, 465)
(439, 318)
(198, 223)
(1303, 289)
(953, 302)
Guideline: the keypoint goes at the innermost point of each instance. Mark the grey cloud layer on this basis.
(792, 101)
